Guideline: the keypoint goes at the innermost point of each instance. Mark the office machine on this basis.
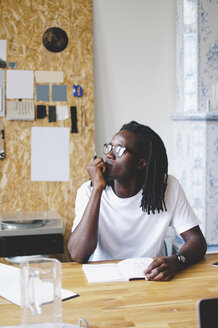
(30, 233)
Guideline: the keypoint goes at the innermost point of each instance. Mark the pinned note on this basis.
(20, 84)
(2, 93)
(50, 154)
(20, 110)
(49, 77)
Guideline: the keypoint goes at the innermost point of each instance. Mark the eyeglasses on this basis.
(118, 151)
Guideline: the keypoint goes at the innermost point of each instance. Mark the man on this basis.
(130, 205)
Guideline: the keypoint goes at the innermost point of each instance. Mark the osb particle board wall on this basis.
(22, 24)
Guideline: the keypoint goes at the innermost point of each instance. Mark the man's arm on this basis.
(83, 240)
(164, 268)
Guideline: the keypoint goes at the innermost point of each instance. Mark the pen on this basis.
(95, 156)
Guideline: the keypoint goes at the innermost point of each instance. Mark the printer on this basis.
(31, 233)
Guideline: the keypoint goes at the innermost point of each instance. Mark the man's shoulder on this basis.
(173, 184)
(172, 179)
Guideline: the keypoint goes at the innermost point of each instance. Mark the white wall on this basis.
(134, 66)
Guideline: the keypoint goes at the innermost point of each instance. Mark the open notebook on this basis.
(129, 269)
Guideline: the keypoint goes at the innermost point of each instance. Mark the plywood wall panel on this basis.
(22, 24)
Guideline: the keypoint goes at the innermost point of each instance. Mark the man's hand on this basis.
(163, 268)
(96, 169)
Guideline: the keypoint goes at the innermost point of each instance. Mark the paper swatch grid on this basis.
(129, 269)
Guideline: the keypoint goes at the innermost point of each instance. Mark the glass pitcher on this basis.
(41, 301)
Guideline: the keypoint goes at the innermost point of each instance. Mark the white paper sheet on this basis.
(50, 154)
(10, 285)
(20, 84)
(2, 87)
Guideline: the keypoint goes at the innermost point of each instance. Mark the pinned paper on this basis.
(1, 99)
(59, 93)
(20, 84)
(51, 113)
(49, 77)
(73, 111)
(2, 93)
(42, 92)
(50, 154)
(3, 53)
(41, 111)
(62, 113)
(20, 110)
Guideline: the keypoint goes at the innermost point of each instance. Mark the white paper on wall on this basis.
(2, 93)
(20, 84)
(50, 154)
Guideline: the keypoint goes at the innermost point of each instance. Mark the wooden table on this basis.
(140, 303)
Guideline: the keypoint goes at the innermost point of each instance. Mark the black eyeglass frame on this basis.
(116, 153)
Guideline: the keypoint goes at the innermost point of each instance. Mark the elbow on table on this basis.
(76, 256)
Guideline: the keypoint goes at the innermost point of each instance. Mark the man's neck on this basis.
(126, 189)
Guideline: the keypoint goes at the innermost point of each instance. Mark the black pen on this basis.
(95, 156)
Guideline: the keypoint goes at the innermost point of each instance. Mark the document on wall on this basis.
(50, 154)
(20, 110)
(129, 269)
(10, 281)
(2, 93)
(20, 84)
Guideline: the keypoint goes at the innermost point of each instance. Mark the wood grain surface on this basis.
(140, 303)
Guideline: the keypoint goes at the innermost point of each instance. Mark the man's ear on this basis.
(141, 164)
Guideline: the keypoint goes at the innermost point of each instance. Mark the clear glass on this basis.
(41, 301)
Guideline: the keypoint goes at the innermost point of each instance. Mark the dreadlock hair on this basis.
(152, 149)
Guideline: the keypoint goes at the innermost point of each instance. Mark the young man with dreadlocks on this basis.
(130, 204)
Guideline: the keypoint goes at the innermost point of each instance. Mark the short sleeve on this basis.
(184, 217)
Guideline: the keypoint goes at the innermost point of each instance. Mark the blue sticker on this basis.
(78, 91)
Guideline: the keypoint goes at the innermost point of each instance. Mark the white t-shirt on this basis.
(126, 231)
